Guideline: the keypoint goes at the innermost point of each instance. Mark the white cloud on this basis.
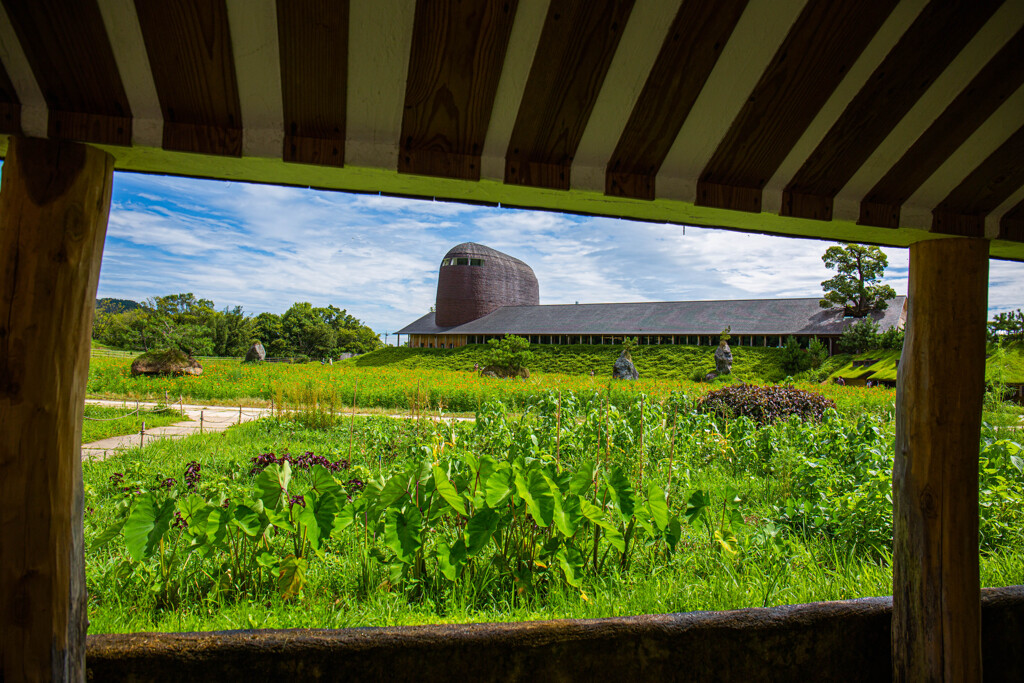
(264, 247)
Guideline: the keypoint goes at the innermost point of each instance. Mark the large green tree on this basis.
(856, 286)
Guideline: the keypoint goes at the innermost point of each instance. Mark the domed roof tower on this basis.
(475, 280)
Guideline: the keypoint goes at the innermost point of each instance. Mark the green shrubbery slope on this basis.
(751, 364)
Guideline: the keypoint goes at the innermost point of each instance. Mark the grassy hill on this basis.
(751, 364)
(1004, 364)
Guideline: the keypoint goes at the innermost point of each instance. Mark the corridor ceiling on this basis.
(868, 120)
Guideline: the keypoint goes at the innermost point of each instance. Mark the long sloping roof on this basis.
(874, 121)
(743, 316)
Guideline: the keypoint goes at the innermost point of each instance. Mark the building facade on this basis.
(476, 303)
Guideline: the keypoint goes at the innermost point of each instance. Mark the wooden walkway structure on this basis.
(895, 123)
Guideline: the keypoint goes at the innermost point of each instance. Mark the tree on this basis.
(794, 358)
(856, 287)
(859, 337)
(511, 353)
(1006, 327)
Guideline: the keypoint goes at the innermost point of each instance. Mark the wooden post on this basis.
(936, 623)
(53, 217)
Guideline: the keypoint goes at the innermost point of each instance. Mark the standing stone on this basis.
(624, 368)
(256, 353)
(723, 358)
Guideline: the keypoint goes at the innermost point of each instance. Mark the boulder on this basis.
(624, 368)
(256, 353)
(504, 373)
(710, 377)
(166, 362)
(723, 358)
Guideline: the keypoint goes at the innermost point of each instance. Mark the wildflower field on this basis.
(336, 388)
(554, 503)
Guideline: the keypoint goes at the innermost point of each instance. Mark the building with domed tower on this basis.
(485, 294)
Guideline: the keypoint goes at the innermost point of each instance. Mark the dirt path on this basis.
(201, 418)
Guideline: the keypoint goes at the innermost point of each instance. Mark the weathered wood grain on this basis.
(934, 39)
(690, 51)
(67, 47)
(53, 217)
(576, 47)
(936, 588)
(1003, 74)
(313, 39)
(826, 39)
(963, 210)
(189, 48)
(10, 105)
(458, 49)
(1011, 225)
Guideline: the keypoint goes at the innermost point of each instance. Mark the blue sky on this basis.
(264, 247)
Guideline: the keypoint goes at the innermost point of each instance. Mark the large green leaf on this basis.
(567, 513)
(272, 484)
(452, 559)
(246, 519)
(448, 491)
(596, 515)
(535, 491)
(571, 561)
(497, 485)
(326, 508)
(345, 518)
(479, 530)
(306, 523)
(696, 505)
(146, 525)
(582, 479)
(291, 576)
(657, 506)
(217, 523)
(672, 533)
(321, 481)
(396, 489)
(621, 493)
(402, 533)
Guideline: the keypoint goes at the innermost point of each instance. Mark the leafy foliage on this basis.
(765, 404)
(194, 326)
(859, 337)
(855, 287)
(510, 353)
(1007, 327)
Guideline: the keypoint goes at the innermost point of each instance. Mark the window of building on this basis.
(461, 261)
(446, 262)
(476, 261)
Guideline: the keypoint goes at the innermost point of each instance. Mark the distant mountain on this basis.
(116, 305)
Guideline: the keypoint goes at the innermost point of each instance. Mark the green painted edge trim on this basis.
(491, 192)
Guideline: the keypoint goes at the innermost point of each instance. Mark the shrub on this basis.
(860, 337)
(510, 354)
(794, 359)
(765, 404)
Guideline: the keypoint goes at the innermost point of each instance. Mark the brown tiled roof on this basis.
(743, 316)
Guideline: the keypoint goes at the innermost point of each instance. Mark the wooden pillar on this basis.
(936, 623)
(53, 217)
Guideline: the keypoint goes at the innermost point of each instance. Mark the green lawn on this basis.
(102, 422)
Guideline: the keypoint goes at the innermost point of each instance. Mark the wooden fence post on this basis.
(53, 217)
(936, 622)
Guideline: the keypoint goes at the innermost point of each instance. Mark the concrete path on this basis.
(200, 418)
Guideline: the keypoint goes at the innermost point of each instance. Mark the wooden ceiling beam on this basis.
(67, 48)
(458, 49)
(313, 37)
(576, 47)
(10, 106)
(935, 38)
(689, 53)
(189, 48)
(963, 211)
(999, 79)
(1011, 226)
(816, 55)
